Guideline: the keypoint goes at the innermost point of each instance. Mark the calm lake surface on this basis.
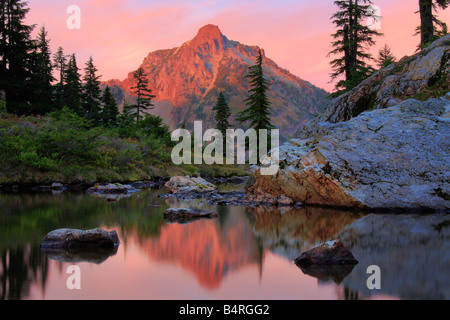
(247, 253)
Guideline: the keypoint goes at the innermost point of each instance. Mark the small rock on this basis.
(328, 253)
(186, 184)
(74, 238)
(57, 186)
(285, 201)
(112, 189)
(237, 180)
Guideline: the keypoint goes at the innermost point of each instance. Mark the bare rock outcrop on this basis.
(388, 158)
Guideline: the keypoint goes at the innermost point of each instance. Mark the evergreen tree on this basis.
(72, 87)
(15, 56)
(60, 64)
(385, 57)
(258, 111)
(429, 22)
(144, 94)
(351, 41)
(110, 111)
(222, 114)
(42, 75)
(91, 92)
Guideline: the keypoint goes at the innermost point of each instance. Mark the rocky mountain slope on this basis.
(387, 157)
(187, 80)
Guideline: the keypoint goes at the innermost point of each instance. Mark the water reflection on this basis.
(290, 231)
(246, 253)
(91, 255)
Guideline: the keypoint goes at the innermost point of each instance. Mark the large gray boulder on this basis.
(387, 158)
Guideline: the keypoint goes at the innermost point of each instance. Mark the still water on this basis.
(247, 253)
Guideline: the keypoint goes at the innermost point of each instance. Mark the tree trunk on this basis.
(426, 21)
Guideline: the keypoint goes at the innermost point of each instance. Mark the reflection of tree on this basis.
(20, 267)
(290, 231)
(350, 294)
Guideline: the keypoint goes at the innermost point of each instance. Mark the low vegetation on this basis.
(64, 147)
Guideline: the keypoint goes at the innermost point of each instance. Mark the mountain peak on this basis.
(209, 31)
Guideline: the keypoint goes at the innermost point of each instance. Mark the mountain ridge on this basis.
(187, 80)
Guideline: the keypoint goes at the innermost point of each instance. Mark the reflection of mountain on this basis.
(289, 232)
(208, 249)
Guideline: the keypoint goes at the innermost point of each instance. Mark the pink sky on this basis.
(119, 34)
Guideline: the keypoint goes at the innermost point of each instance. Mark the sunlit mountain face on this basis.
(187, 80)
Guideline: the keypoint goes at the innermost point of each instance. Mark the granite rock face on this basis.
(387, 158)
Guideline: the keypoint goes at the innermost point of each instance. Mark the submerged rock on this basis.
(327, 253)
(74, 238)
(187, 184)
(112, 188)
(184, 215)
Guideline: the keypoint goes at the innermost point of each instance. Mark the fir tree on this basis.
(110, 111)
(429, 22)
(221, 117)
(72, 87)
(42, 75)
(60, 64)
(351, 41)
(258, 111)
(15, 56)
(91, 92)
(144, 94)
(385, 57)
(222, 114)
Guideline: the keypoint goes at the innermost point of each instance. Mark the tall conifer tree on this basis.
(258, 111)
(429, 22)
(42, 78)
(60, 64)
(73, 87)
(351, 41)
(15, 56)
(143, 93)
(110, 110)
(222, 114)
(91, 92)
